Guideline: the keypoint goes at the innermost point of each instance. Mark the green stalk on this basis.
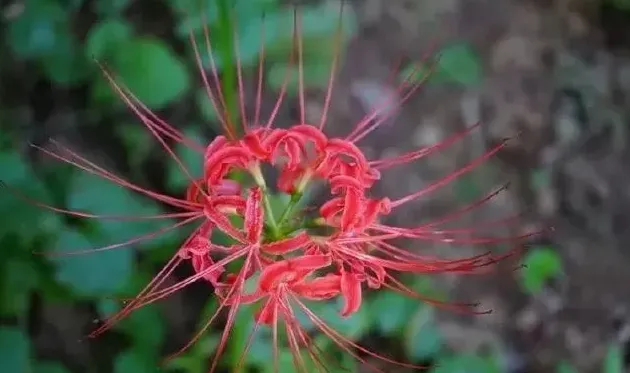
(286, 214)
(225, 49)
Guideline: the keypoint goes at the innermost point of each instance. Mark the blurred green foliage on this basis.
(456, 63)
(541, 265)
(53, 37)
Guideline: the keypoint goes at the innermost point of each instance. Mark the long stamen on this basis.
(447, 179)
(124, 244)
(149, 119)
(261, 69)
(99, 171)
(298, 24)
(88, 215)
(227, 118)
(287, 76)
(333, 68)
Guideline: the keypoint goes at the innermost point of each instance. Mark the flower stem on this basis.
(228, 71)
(286, 214)
(273, 225)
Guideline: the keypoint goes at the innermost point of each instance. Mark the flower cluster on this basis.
(339, 248)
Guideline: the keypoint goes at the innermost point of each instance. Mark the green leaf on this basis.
(34, 33)
(134, 361)
(50, 367)
(392, 311)
(105, 36)
(14, 350)
(151, 71)
(91, 274)
(541, 265)
(613, 361)
(422, 336)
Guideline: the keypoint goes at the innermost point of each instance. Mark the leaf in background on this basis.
(91, 274)
(541, 265)
(34, 33)
(93, 194)
(195, 360)
(319, 26)
(145, 327)
(204, 104)
(14, 350)
(138, 143)
(105, 36)
(50, 367)
(463, 363)
(19, 278)
(456, 64)
(316, 75)
(23, 216)
(152, 71)
(66, 65)
(287, 364)
(353, 327)
(134, 361)
(391, 311)
(459, 63)
(565, 367)
(614, 360)
(192, 16)
(111, 7)
(423, 338)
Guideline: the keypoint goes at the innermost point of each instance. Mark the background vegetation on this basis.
(52, 88)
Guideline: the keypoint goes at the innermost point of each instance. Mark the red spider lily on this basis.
(332, 254)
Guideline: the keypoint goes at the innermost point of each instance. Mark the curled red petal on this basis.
(351, 210)
(228, 188)
(320, 288)
(313, 134)
(268, 313)
(290, 270)
(216, 144)
(254, 218)
(287, 245)
(351, 291)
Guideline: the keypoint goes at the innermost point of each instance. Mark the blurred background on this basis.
(555, 72)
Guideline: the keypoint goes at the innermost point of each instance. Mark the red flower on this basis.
(316, 257)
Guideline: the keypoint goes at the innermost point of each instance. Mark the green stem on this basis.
(228, 64)
(273, 225)
(295, 198)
